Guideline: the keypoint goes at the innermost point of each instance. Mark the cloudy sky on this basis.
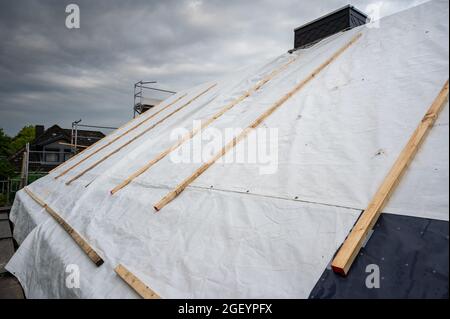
(53, 75)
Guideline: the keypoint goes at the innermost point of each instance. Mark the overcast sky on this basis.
(53, 75)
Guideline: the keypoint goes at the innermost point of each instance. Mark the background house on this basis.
(53, 146)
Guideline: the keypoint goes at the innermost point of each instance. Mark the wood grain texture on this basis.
(180, 187)
(204, 124)
(137, 136)
(350, 248)
(134, 282)
(82, 243)
(116, 138)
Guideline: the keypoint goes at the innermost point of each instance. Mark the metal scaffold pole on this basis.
(138, 95)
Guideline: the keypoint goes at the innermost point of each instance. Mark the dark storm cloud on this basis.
(50, 74)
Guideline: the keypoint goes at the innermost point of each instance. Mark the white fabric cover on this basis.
(253, 235)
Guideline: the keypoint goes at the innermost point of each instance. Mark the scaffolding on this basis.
(75, 137)
(139, 103)
(33, 164)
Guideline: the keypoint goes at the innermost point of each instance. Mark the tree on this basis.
(9, 146)
(26, 135)
(6, 169)
(5, 142)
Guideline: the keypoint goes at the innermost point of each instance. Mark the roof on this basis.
(242, 229)
(86, 133)
(86, 137)
(413, 265)
(150, 101)
(50, 135)
(56, 133)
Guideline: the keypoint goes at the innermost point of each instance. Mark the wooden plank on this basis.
(74, 157)
(136, 137)
(90, 252)
(23, 175)
(118, 137)
(178, 189)
(350, 248)
(121, 127)
(93, 145)
(204, 124)
(134, 282)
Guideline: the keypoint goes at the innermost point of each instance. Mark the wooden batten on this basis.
(350, 248)
(134, 282)
(137, 136)
(116, 138)
(180, 187)
(81, 242)
(204, 124)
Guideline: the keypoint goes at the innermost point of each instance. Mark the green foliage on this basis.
(34, 176)
(9, 146)
(5, 142)
(26, 135)
(3, 201)
(6, 169)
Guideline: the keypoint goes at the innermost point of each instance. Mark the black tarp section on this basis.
(412, 256)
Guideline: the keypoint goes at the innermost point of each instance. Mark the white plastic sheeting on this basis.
(253, 235)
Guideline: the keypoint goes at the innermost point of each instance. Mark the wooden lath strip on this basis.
(137, 136)
(90, 252)
(204, 124)
(119, 136)
(118, 129)
(74, 157)
(134, 282)
(178, 189)
(350, 248)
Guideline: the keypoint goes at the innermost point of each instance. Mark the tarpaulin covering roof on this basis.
(236, 232)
